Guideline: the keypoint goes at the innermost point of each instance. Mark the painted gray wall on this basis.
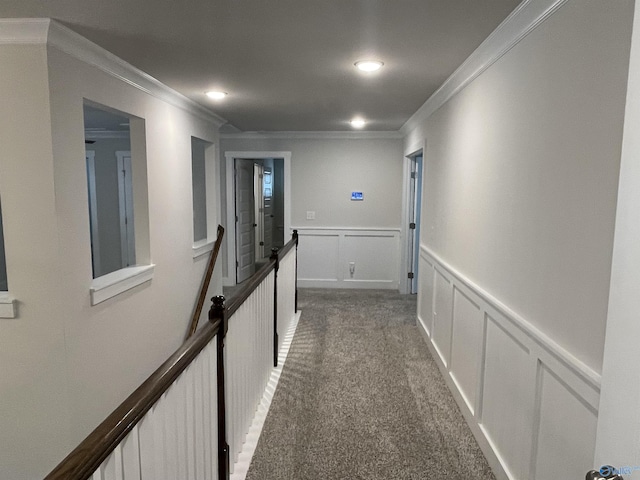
(324, 171)
(521, 173)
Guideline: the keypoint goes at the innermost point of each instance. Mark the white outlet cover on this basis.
(311, 215)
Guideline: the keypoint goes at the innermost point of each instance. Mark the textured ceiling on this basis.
(287, 64)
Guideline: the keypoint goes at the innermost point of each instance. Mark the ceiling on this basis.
(287, 65)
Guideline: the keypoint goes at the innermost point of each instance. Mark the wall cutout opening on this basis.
(203, 186)
(4, 284)
(116, 182)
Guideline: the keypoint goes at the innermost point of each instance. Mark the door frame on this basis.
(405, 254)
(230, 231)
(125, 199)
(90, 158)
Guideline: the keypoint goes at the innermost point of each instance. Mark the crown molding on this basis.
(106, 134)
(24, 31)
(528, 16)
(312, 135)
(49, 32)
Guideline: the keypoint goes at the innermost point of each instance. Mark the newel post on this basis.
(295, 238)
(276, 258)
(218, 312)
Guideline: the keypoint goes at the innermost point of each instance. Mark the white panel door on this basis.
(258, 210)
(245, 224)
(267, 209)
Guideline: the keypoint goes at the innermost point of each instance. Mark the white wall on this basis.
(619, 415)
(521, 175)
(325, 169)
(67, 364)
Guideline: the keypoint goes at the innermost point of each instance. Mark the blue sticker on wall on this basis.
(357, 196)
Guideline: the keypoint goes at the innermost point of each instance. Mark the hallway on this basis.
(361, 398)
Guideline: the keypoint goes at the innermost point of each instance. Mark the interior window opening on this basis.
(110, 188)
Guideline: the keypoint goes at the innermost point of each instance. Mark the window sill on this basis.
(7, 305)
(112, 284)
(202, 247)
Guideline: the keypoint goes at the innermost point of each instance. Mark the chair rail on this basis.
(88, 456)
(193, 326)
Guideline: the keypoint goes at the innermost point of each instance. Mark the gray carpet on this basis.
(361, 398)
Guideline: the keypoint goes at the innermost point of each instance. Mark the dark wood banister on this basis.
(82, 462)
(193, 326)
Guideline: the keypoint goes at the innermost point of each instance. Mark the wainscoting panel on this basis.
(318, 258)
(426, 274)
(465, 346)
(507, 408)
(530, 403)
(325, 255)
(442, 316)
(566, 432)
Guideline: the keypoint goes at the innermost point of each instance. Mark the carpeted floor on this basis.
(361, 398)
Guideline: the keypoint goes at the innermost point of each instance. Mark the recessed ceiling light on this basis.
(216, 95)
(369, 65)
(358, 123)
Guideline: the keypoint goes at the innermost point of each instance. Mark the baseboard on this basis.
(360, 284)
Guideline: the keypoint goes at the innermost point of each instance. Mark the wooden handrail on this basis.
(82, 462)
(193, 326)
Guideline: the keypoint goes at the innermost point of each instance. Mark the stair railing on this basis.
(193, 325)
(191, 416)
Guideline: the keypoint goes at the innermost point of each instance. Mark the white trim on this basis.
(202, 247)
(106, 134)
(90, 156)
(112, 284)
(523, 20)
(46, 31)
(125, 208)
(405, 282)
(230, 228)
(329, 272)
(7, 305)
(23, 31)
(577, 367)
(374, 230)
(312, 135)
(488, 449)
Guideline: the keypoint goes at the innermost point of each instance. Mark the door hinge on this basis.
(410, 275)
(236, 218)
(237, 264)
(412, 226)
(413, 174)
(262, 244)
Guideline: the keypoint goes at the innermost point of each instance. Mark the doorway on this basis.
(258, 206)
(414, 210)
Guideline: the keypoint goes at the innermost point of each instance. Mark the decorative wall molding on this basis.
(324, 254)
(529, 15)
(46, 31)
(312, 135)
(515, 386)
